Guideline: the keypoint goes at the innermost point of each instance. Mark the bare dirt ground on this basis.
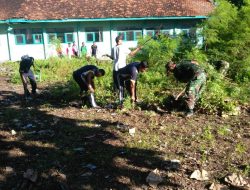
(67, 147)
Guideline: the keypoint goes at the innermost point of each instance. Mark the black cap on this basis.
(102, 71)
(144, 64)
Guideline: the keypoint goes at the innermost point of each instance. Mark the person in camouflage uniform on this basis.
(194, 76)
(222, 66)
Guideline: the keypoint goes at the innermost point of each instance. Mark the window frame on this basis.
(48, 34)
(125, 32)
(34, 37)
(93, 36)
(23, 37)
(28, 35)
(150, 30)
(66, 37)
(94, 31)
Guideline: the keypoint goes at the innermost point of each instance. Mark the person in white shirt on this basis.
(119, 54)
(69, 51)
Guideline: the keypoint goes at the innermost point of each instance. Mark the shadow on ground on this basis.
(67, 153)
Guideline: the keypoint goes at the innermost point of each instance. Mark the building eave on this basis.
(20, 20)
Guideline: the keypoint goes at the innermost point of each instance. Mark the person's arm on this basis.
(90, 81)
(33, 63)
(132, 90)
(132, 53)
(110, 56)
(180, 94)
(134, 73)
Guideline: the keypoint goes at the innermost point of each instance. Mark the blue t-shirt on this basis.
(25, 64)
(130, 72)
(83, 71)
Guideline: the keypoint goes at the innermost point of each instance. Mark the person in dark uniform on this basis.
(127, 77)
(94, 50)
(84, 77)
(26, 73)
(194, 76)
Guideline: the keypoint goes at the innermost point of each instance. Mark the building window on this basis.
(150, 32)
(20, 39)
(51, 37)
(166, 32)
(69, 37)
(28, 36)
(37, 38)
(130, 35)
(90, 36)
(138, 34)
(185, 32)
(66, 35)
(94, 34)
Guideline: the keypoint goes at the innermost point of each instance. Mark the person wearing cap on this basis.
(194, 76)
(127, 77)
(26, 73)
(119, 54)
(84, 77)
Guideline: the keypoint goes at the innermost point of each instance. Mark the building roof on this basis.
(75, 9)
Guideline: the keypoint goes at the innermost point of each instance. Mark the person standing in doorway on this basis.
(94, 50)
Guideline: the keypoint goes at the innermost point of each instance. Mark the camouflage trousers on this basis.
(194, 89)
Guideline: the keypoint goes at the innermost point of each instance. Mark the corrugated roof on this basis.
(72, 9)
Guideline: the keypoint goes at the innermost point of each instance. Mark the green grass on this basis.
(221, 94)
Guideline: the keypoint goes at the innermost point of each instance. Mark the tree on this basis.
(237, 3)
(227, 34)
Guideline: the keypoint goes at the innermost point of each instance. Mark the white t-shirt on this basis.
(119, 53)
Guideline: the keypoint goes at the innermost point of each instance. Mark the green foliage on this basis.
(237, 3)
(240, 148)
(224, 130)
(127, 104)
(157, 51)
(246, 170)
(207, 134)
(227, 34)
(56, 42)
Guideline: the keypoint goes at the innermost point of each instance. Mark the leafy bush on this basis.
(157, 51)
(227, 34)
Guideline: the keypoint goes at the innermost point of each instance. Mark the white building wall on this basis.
(104, 47)
(46, 50)
(18, 50)
(4, 52)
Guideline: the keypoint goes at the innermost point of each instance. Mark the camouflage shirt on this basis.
(185, 72)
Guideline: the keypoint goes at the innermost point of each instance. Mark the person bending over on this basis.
(26, 73)
(127, 77)
(194, 76)
(84, 77)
